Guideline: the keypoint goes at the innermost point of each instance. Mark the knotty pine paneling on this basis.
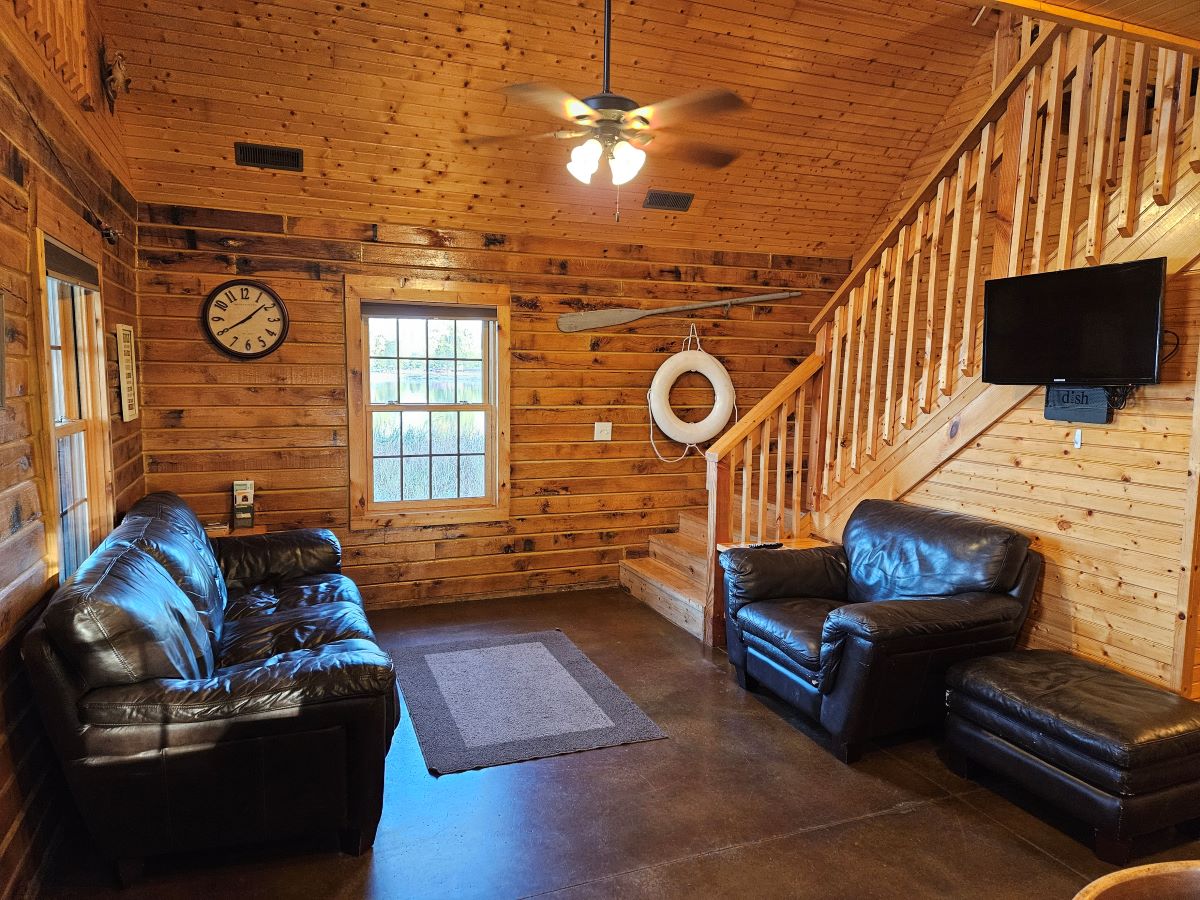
(32, 798)
(578, 505)
(843, 96)
(1109, 516)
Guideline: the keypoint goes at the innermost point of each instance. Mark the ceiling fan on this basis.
(617, 129)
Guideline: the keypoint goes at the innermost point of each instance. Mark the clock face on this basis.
(246, 319)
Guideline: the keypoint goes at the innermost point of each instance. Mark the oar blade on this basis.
(598, 318)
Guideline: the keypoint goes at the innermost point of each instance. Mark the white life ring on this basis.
(660, 392)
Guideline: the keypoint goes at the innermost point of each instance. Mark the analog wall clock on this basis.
(245, 318)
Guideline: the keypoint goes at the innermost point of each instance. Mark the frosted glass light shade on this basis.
(585, 160)
(626, 162)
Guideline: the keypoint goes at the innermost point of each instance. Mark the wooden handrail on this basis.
(766, 407)
(991, 111)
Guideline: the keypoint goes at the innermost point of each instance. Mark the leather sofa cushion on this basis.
(297, 678)
(258, 559)
(793, 625)
(1095, 711)
(172, 510)
(293, 593)
(302, 628)
(187, 559)
(897, 551)
(121, 618)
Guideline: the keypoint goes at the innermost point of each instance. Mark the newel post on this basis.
(720, 498)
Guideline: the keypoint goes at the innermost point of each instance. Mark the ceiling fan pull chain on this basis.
(617, 214)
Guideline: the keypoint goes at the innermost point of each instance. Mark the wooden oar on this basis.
(603, 318)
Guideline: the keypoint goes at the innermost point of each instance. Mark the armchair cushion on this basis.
(897, 551)
(264, 558)
(792, 625)
(752, 575)
(297, 678)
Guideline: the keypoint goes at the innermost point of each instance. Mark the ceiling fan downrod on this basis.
(607, 43)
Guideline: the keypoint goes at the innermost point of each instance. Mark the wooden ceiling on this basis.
(380, 93)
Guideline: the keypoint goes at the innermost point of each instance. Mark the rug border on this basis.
(444, 756)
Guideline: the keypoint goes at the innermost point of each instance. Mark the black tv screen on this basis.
(1100, 325)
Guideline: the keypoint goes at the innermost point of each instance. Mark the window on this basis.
(429, 402)
(78, 405)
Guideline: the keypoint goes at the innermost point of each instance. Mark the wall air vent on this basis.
(264, 156)
(669, 200)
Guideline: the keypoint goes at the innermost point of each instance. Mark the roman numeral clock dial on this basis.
(246, 319)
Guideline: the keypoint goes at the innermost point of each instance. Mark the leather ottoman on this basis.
(1114, 751)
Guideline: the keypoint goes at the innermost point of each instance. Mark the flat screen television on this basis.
(1096, 326)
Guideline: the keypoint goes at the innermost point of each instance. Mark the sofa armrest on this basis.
(914, 625)
(287, 681)
(259, 558)
(752, 575)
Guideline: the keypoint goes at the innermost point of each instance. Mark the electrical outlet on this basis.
(603, 431)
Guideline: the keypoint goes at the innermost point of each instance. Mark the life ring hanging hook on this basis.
(691, 358)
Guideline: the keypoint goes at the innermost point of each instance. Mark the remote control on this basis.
(769, 545)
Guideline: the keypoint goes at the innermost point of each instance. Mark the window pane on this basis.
(53, 286)
(441, 338)
(384, 387)
(416, 478)
(470, 473)
(412, 337)
(387, 480)
(471, 432)
(386, 436)
(470, 339)
(445, 477)
(470, 382)
(445, 432)
(59, 401)
(382, 336)
(441, 381)
(416, 434)
(412, 381)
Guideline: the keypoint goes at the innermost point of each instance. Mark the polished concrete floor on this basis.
(741, 800)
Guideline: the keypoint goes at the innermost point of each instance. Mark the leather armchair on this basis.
(858, 637)
(198, 699)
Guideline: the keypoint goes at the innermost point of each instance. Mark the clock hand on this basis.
(236, 324)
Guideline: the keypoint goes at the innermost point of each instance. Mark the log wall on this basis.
(577, 505)
(32, 183)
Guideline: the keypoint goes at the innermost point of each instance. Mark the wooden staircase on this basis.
(1050, 174)
(671, 580)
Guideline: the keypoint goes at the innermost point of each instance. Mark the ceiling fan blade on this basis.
(553, 100)
(708, 155)
(688, 108)
(487, 140)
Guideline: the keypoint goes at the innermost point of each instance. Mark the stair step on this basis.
(667, 591)
(682, 552)
(694, 523)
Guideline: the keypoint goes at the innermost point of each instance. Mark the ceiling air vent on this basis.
(669, 200)
(264, 156)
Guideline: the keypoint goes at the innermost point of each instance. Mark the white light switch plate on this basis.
(1078, 438)
(603, 431)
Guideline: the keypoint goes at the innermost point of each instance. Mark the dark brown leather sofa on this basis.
(858, 637)
(205, 694)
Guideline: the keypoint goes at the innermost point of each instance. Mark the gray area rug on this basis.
(496, 700)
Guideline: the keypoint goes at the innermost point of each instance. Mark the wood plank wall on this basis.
(1108, 516)
(32, 802)
(282, 420)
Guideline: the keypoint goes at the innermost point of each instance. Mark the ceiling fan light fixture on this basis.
(625, 162)
(585, 160)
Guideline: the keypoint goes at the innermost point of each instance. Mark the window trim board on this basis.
(360, 289)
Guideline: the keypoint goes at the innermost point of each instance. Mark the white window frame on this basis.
(365, 512)
(93, 385)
